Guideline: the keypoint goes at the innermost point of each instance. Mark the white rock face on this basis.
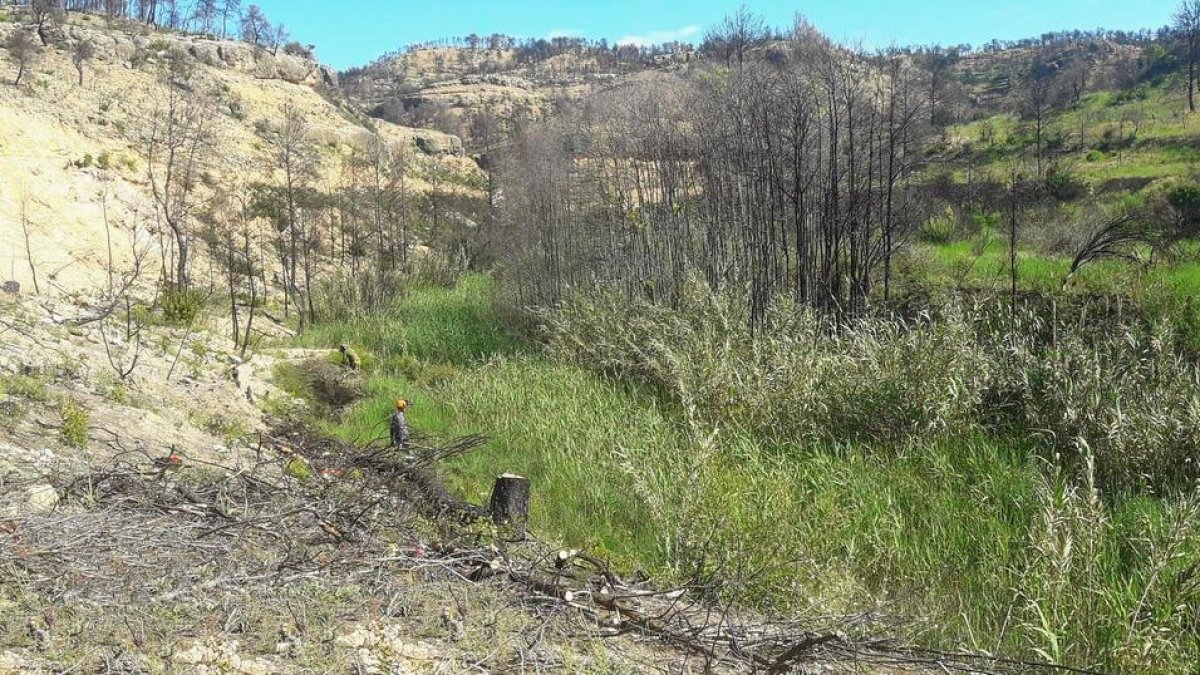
(262, 63)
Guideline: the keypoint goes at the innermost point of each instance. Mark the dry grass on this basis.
(249, 570)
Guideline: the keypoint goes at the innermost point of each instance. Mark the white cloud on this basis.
(657, 37)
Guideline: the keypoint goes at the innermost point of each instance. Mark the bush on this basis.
(344, 296)
(1138, 93)
(433, 270)
(31, 387)
(940, 229)
(74, 431)
(1117, 395)
(330, 384)
(297, 49)
(181, 307)
(1096, 156)
(797, 379)
(1061, 182)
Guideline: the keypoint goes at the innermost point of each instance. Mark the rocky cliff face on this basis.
(136, 47)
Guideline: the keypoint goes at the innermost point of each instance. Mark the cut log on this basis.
(509, 505)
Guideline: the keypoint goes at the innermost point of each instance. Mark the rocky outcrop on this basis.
(436, 144)
(132, 48)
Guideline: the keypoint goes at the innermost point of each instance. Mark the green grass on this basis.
(1163, 146)
(949, 534)
(990, 266)
(454, 325)
(1167, 291)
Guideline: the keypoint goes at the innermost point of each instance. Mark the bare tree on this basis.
(387, 199)
(1040, 92)
(27, 227)
(115, 9)
(24, 51)
(231, 244)
(1187, 23)
(174, 14)
(295, 159)
(123, 354)
(230, 9)
(83, 52)
(737, 34)
(277, 37)
(46, 13)
(204, 16)
(1117, 237)
(939, 64)
(256, 28)
(787, 176)
(176, 146)
(147, 11)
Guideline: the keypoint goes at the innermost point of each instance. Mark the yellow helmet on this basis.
(401, 404)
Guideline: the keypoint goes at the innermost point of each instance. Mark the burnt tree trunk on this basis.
(509, 505)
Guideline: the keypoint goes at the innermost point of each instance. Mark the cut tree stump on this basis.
(509, 505)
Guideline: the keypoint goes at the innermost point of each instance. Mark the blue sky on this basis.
(353, 32)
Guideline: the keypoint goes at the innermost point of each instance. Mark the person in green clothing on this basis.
(349, 357)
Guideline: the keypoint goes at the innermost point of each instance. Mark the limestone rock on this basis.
(206, 52)
(293, 69)
(40, 498)
(439, 144)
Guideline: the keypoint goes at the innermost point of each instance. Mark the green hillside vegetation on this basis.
(973, 536)
(965, 464)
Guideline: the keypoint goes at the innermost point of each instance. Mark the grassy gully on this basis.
(821, 474)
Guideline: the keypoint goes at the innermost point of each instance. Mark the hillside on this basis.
(458, 88)
(169, 499)
(68, 151)
(800, 357)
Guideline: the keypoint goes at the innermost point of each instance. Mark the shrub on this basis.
(297, 49)
(1138, 93)
(181, 307)
(74, 431)
(1061, 182)
(940, 229)
(344, 297)
(1096, 156)
(299, 468)
(797, 379)
(31, 387)
(1119, 395)
(433, 270)
(330, 384)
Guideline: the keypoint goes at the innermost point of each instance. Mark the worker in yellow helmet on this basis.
(399, 425)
